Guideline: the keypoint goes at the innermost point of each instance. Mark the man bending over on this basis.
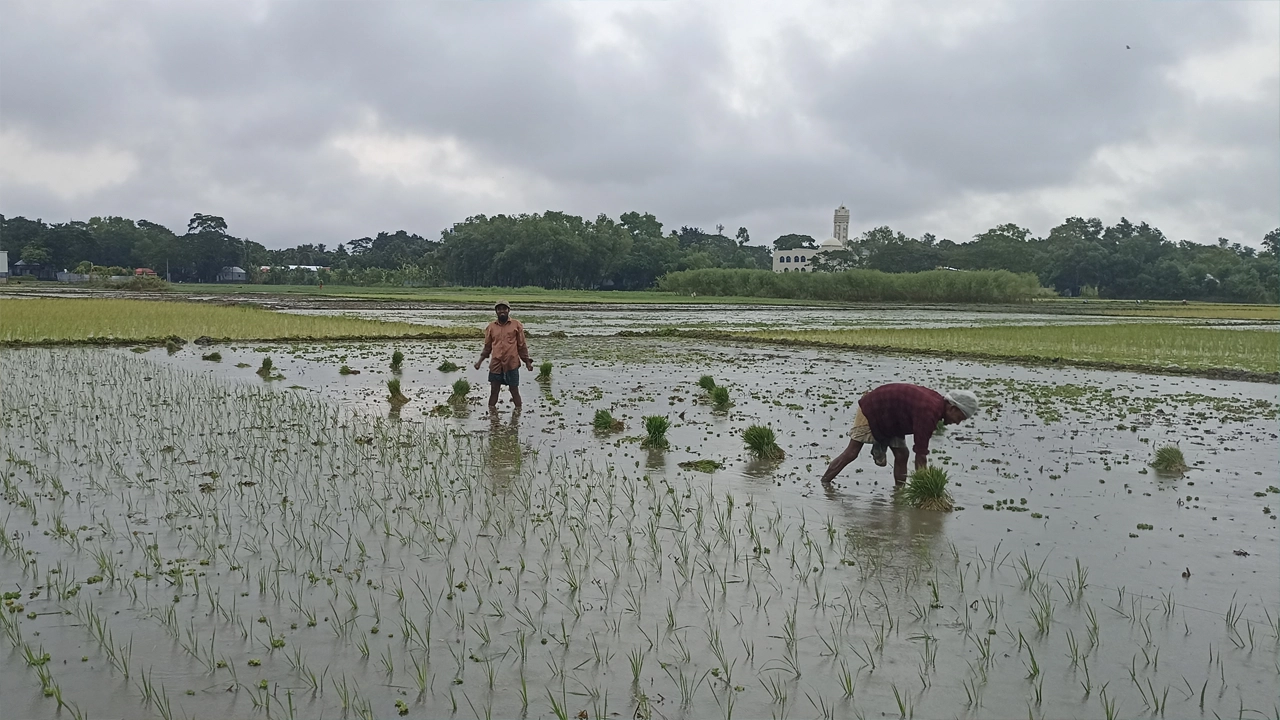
(889, 413)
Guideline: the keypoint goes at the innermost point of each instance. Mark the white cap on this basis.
(965, 400)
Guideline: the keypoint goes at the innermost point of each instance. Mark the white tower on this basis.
(842, 225)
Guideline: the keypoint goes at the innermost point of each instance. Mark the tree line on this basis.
(557, 250)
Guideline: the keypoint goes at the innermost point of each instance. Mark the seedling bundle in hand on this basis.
(927, 489)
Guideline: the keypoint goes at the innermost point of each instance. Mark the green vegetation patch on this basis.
(702, 465)
(931, 286)
(51, 321)
(1135, 346)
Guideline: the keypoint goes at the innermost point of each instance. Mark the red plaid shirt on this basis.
(900, 409)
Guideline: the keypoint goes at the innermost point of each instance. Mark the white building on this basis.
(4, 266)
(799, 259)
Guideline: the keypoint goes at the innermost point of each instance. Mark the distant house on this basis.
(232, 275)
(4, 266)
(148, 272)
(27, 269)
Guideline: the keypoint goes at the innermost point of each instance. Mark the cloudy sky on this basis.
(326, 120)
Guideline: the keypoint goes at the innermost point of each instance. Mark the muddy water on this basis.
(1066, 449)
(611, 319)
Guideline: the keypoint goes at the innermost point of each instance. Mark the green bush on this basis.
(762, 443)
(941, 286)
(927, 489)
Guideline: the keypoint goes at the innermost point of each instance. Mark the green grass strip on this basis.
(41, 321)
(1139, 346)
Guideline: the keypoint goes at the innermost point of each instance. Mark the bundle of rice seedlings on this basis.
(706, 382)
(397, 359)
(605, 422)
(762, 443)
(214, 356)
(346, 370)
(447, 366)
(394, 396)
(927, 489)
(720, 397)
(544, 371)
(460, 388)
(655, 428)
(1169, 460)
(267, 367)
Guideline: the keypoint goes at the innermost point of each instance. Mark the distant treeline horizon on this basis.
(560, 251)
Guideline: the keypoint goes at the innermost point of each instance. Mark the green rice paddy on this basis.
(1134, 345)
(101, 320)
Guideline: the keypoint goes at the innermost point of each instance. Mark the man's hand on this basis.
(529, 364)
(478, 363)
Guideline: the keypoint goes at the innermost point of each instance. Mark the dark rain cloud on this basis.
(241, 110)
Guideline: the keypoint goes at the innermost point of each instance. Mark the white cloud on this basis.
(66, 174)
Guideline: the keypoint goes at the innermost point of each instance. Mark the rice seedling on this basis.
(926, 489)
(397, 360)
(447, 366)
(266, 368)
(706, 382)
(762, 443)
(1169, 459)
(720, 398)
(394, 394)
(544, 371)
(214, 356)
(605, 422)
(461, 388)
(655, 428)
(346, 370)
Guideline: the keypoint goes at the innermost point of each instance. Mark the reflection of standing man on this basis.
(505, 347)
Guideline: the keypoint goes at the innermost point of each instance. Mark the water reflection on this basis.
(879, 529)
(504, 455)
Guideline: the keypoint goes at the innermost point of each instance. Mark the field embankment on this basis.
(51, 321)
(932, 286)
(1240, 354)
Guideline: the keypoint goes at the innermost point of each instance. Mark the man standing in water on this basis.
(889, 413)
(505, 348)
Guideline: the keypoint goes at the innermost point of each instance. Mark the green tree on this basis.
(794, 242)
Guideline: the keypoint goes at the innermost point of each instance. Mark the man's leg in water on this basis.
(515, 396)
(849, 455)
(494, 389)
(900, 458)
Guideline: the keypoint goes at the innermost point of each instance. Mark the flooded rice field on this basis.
(185, 538)
(612, 319)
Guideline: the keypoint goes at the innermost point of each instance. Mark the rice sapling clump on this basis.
(394, 396)
(762, 443)
(397, 360)
(214, 356)
(605, 422)
(720, 397)
(927, 489)
(706, 382)
(1169, 460)
(460, 389)
(447, 366)
(544, 371)
(655, 429)
(266, 368)
(346, 370)
(703, 465)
